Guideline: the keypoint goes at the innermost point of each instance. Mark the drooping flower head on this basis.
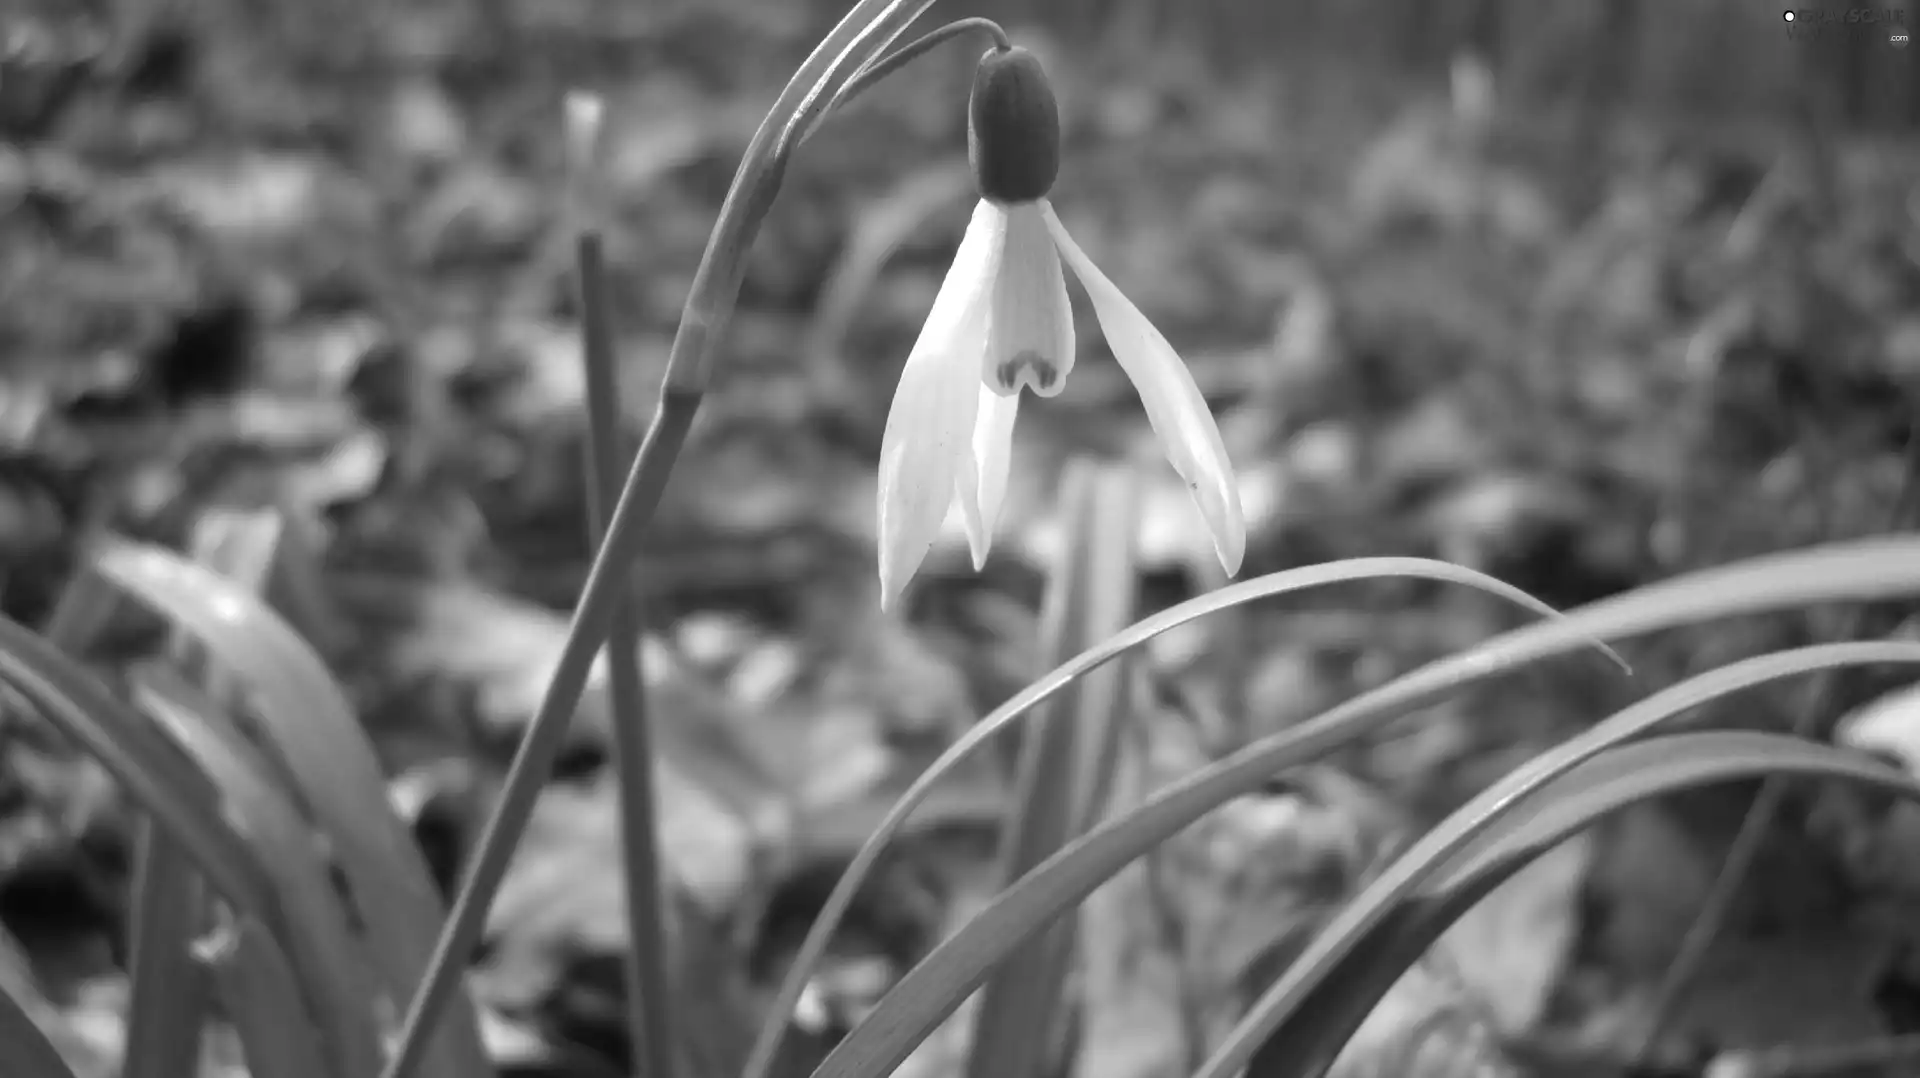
(1002, 323)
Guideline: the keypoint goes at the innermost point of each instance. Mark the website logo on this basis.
(1887, 24)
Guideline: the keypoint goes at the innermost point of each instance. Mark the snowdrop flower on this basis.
(1001, 323)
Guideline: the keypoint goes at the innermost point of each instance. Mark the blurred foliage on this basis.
(1532, 287)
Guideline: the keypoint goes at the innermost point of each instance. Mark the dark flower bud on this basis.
(1013, 127)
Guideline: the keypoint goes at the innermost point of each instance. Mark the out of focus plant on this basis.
(275, 878)
(1001, 319)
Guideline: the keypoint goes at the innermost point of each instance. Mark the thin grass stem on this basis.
(649, 1011)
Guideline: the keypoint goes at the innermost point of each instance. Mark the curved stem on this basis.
(878, 70)
(865, 30)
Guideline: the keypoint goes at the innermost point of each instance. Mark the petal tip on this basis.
(897, 568)
(1230, 534)
(1232, 550)
(890, 590)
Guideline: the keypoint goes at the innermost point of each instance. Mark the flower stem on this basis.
(865, 30)
(873, 73)
(541, 745)
(863, 33)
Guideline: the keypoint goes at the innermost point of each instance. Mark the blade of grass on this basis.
(25, 1049)
(1691, 954)
(152, 771)
(841, 898)
(1064, 764)
(168, 992)
(1864, 569)
(338, 974)
(85, 606)
(310, 738)
(253, 974)
(866, 29)
(1097, 703)
(160, 780)
(170, 989)
(649, 1007)
(1428, 856)
(1311, 1037)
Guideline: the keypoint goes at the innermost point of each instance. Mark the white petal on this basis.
(1031, 343)
(1174, 406)
(931, 422)
(983, 481)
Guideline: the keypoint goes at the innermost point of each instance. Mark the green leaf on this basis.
(1140, 632)
(1865, 569)
(152, 771)
(254, 978)
(168, 991)
(311, 739)
(1066, 765)
(159, 778)
(1428, 856)
(330, 1010)
(1311, 1034)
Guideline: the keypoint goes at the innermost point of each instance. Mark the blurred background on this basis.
(1583, 293)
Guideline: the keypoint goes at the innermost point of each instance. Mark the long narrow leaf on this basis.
(1312, 576)
(255, 980)
(25, 1049)
(170, 989)
(155, 773)
(1431, 853)
(1865, 569)
(323, 752)
(180, 801)
(1064, 761)
(1312, 1034)
(337, 979)
(161, 781)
